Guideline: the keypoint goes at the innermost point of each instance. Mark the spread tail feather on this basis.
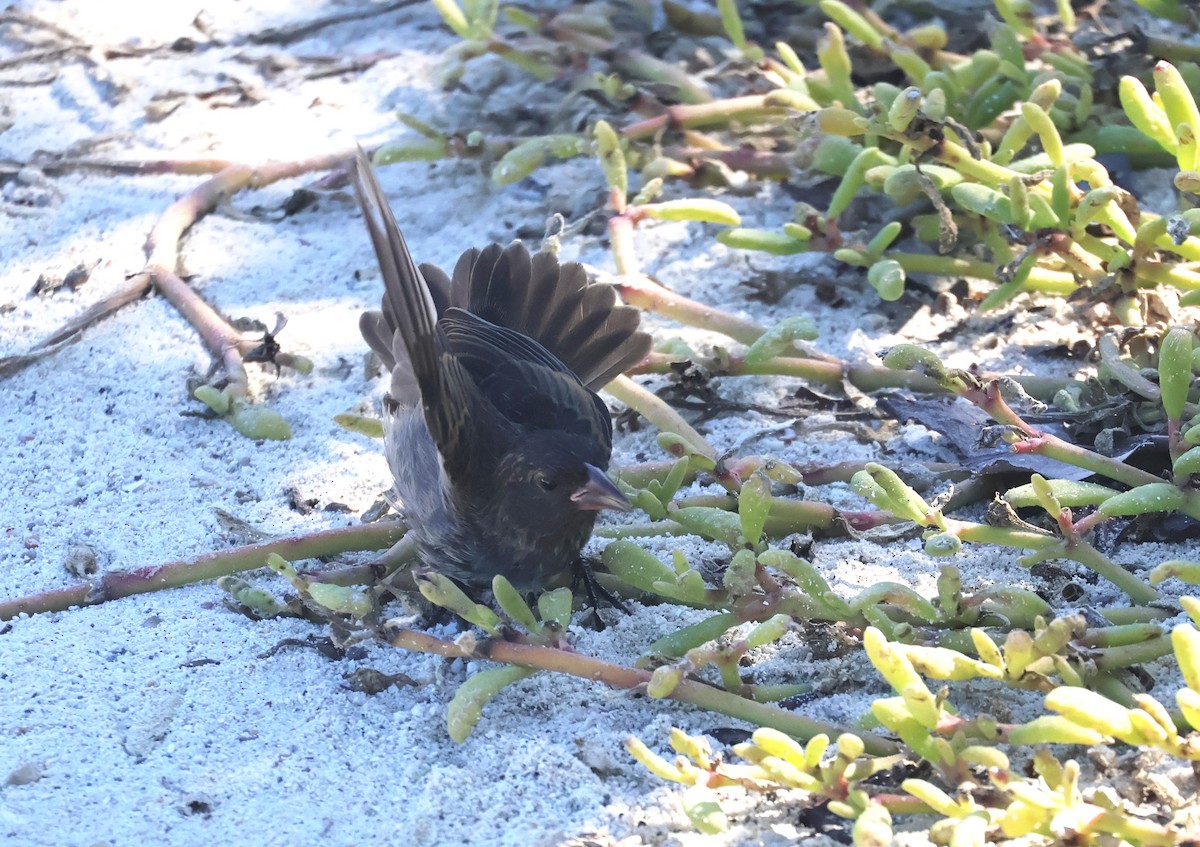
(580, 322)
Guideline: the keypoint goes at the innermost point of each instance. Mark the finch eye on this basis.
(546, 483)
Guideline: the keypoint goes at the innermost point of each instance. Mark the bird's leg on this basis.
(585, 576)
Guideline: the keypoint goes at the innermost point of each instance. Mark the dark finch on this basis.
(495, 435)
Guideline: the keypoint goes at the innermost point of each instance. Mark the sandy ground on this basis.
(161, 719)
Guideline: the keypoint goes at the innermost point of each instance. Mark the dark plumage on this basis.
(495, 436)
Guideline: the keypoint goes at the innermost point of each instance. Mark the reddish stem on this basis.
(117, 584)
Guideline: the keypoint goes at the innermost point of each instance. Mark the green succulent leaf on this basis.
(466, 707)
(781, 339)
(693, 209)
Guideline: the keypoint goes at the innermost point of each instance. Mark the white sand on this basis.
(154, 720)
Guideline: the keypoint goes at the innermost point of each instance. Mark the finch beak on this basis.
(599, 492)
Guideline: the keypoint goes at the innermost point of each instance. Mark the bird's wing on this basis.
(468, 434)
(578, 321)
(523, 381)
(470, 335)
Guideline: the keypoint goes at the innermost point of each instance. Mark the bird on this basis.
(496, 439)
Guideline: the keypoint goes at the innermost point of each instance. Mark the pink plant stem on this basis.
(618, 676)
(117, 584)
